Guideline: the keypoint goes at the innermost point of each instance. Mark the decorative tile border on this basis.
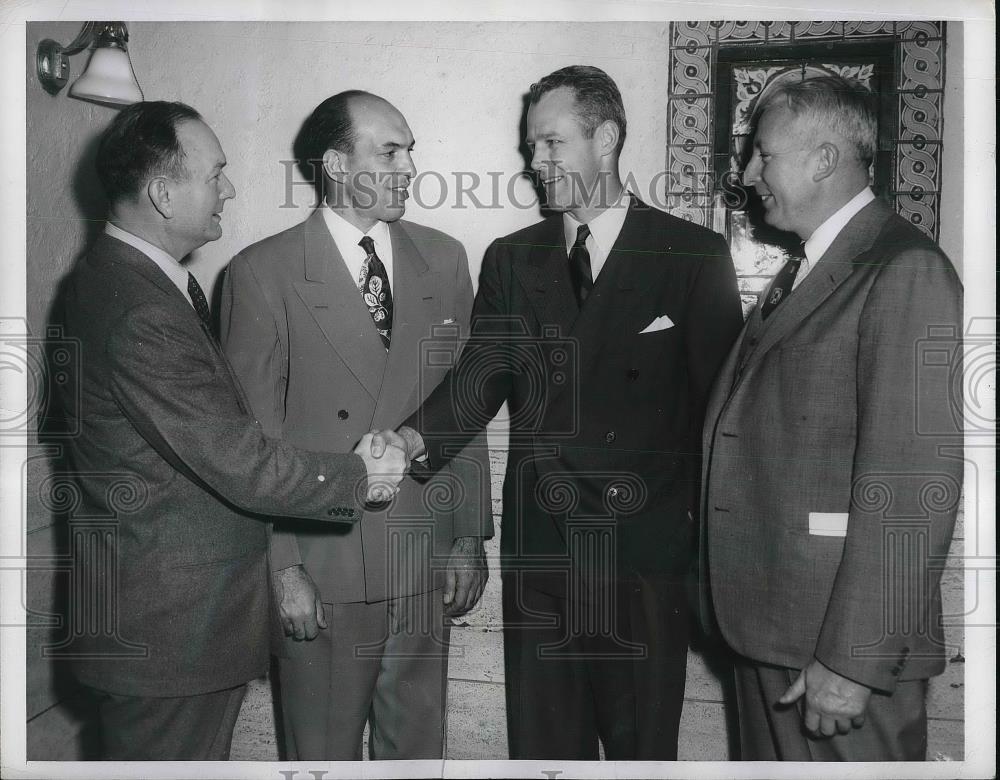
(691, 191)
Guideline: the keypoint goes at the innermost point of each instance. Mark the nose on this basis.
(228, 190)
(537, 163)
(407, 165)
(751, 174)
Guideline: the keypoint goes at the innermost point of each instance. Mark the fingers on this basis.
(379, 442)
(450, 580)
(385, 472)
(320, 614)
(795, 691)
(467, 591)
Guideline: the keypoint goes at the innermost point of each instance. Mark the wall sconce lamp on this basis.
(109, 77)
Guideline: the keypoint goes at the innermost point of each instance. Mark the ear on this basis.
(827, 157)
(158, 192)
(607, 134)
(333, 163)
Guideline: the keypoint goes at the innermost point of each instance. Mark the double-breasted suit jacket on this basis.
(303, 342)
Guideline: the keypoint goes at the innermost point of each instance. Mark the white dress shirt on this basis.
(346, 237)
(823, 236)
(175, 272)
(604, 230)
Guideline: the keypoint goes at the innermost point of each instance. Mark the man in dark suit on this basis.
(185, 571)
(325, 359)
(602, 327)
(832, 466)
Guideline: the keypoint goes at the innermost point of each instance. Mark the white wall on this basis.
(458, 84)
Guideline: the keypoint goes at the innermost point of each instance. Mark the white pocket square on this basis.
(449, 321)
(660, 323)
(828, 523)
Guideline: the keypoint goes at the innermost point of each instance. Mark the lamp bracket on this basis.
(52, 59)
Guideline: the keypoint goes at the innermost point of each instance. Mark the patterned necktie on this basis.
(199, 300)
(374, 286)
(579, 266)
(781, 288)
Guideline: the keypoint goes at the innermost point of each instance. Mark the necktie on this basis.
(199, 300)
(374, 286)
(781, 288)
(579, 266)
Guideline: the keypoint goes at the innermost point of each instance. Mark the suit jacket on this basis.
(170, 454)
(306, 350)
(829, 497)
(604, 418)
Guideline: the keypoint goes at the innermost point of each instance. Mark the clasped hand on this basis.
(386, 464)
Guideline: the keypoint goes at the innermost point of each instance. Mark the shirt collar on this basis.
(346, 236)
(823, 236)
(604, 228)
(176, 272)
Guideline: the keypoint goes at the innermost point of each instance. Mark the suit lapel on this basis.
(413, 300)
(116, 251)
(545, 278)
(836, 265)
(333, 300)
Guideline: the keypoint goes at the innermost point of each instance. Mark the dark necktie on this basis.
(374, 285)
(199, 300)
(579, 266)
(781, 288)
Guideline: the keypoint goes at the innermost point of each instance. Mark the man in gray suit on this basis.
(832, 465)
(326, 324)
(188, 615)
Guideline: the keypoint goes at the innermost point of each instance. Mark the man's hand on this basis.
(405, 438)
(833, 703)
(385, 471)
(466, 575)
(299, 603)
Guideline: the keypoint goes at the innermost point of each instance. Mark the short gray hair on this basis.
(845, 105)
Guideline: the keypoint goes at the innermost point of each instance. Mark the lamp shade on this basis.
(108, 78)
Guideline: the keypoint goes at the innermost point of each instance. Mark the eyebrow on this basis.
(396, 145)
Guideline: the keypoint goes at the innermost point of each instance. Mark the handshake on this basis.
(387, 455)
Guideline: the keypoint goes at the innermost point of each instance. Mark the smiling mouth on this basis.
(551, 180)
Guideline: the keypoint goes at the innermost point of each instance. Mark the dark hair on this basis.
(140, 143)
(844, 105)
(597, 97)
(329, 126)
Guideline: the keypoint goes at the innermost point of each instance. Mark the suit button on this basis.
(610, 436)
(633, 373)
(342, 414)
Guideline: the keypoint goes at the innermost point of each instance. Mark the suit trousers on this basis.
(175, 728)
(895, 726)
(384, 664)
(577, 674)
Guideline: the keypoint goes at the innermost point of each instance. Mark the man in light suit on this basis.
(602, 327)
(174, 599)
(828, 502)
(327, 349)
